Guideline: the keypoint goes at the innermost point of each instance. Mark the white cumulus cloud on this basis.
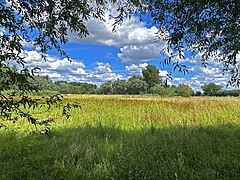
(69, 70)
(135, 41)
(135, 69)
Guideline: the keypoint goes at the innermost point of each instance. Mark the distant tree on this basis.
(211, 89)
(120, 86)
(106, 88)
(198, 93)
(44, 83)
(157, 89)
(73, 89)
(163, 91)
(235, 93)
(184, 90)
(135, 85)
(59, 82)
(151, 76)
(86, 88)
(64, 87)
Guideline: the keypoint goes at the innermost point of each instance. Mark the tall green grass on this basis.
(129, 137)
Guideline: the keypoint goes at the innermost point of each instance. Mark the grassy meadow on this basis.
(128, 137)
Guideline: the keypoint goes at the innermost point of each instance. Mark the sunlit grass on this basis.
(128, 137)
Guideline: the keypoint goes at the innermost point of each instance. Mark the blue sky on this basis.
(105, 55)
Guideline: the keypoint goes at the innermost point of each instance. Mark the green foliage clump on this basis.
(106, 88)
(235, 93)
(136, 85)
(211, 89)
(208, 28)
(163, 91)
(184, 90)
(198, 93)
(151, 76)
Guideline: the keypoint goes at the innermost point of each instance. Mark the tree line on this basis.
(150, 82)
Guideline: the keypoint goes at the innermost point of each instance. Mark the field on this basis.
(129, 137)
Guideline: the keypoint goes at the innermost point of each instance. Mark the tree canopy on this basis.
(184, 90)
(211, 89)
(45, 24)
(151, 76)
(208, 27)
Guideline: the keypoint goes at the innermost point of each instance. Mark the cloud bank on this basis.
(69, 70)
(136, 42)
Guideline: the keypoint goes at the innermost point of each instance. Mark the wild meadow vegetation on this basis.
(119, 137)
(127, 137)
